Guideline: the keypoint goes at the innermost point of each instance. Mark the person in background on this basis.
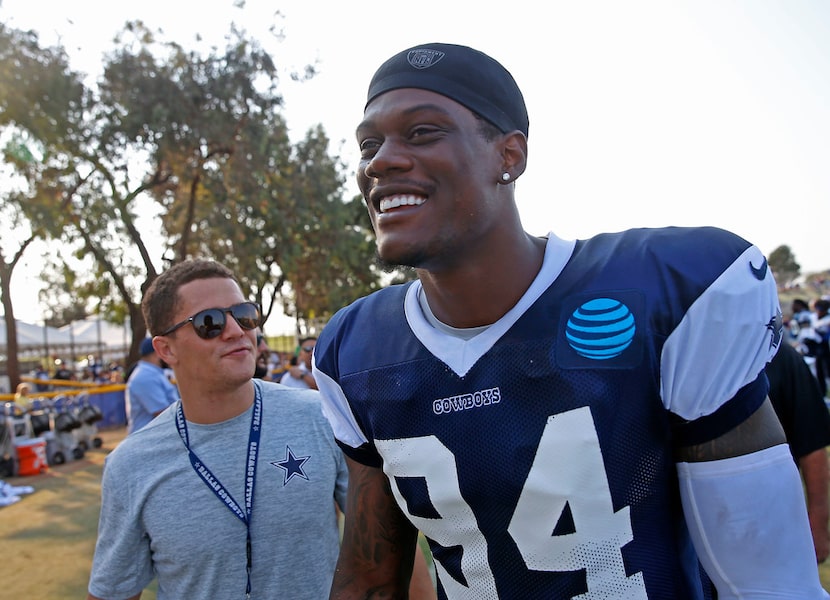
(821, 327)
(282, 361)
(263, 358)
(115, 373)
(41, 375)
(22, 395)
(300, 375)
(231, 491)
(149, 390)
(801, 311)
(804, 416)
(561, 418)
(62, 372)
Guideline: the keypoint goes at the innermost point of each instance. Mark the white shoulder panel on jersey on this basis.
(722, 343)
(337, 410)
(459, 354)
(748, 522)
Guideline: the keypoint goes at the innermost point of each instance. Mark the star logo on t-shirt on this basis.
(292, 465)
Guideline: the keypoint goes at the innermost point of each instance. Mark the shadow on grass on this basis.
(48, 538)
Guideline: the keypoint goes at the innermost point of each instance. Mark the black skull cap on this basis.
(463, 74)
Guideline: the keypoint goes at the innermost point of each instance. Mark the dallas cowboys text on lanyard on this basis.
(250, 474)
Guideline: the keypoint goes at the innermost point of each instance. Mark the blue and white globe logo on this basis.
(600, 329)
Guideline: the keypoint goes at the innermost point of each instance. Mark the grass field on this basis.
(47, 539)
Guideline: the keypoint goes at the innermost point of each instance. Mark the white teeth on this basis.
(391, 202)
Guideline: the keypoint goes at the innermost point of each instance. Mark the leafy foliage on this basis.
(198, 140)
(783, 264)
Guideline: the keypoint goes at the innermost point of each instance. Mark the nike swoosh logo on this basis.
(760, 272)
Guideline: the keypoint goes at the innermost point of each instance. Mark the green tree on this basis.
(330, 254)
(6, 271)
(38, 96)
(74, 193)
(65, 292)
(783, 264)
(238, 191)
(205, 139)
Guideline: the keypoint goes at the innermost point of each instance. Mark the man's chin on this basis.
(388, 260)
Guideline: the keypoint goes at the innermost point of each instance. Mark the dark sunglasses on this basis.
(210, 323)
(308, 348)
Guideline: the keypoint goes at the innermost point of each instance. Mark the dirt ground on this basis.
(48, 537)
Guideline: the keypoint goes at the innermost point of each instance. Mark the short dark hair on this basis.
(486, 129)
(307, 339)
(162, 297)
(800, 303)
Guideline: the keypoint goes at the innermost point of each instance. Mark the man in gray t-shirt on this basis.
(233, 488)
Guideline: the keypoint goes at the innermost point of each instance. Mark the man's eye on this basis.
(368, 146)
(422, 131)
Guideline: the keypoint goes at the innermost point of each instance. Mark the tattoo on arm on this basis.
(760, 431)
(379, 543)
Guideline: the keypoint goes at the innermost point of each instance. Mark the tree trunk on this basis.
(12, 364)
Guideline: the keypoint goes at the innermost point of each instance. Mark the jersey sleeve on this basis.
(347, 431)
(712, 362)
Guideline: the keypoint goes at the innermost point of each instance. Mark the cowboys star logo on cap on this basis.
(463, 74)
(424, 57)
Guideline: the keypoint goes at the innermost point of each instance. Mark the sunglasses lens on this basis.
(209, 323)
(246, 314)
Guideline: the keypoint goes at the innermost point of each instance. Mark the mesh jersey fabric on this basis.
(537, 456)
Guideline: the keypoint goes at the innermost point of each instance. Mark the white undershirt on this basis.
(466, 333)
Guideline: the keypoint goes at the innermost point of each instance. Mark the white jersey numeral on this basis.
(567, 471)
(457, 525)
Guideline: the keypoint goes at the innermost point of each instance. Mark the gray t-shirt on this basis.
(159, 518)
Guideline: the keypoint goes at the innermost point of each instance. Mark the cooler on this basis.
(31, 456)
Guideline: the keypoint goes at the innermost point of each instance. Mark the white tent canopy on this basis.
(90, 333)
(71, 343)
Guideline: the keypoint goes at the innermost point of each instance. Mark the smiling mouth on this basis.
(391, 202)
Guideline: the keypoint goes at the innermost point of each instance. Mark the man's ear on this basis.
(514, 153)
(165, 350)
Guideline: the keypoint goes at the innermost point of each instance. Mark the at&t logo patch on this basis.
(601, 331)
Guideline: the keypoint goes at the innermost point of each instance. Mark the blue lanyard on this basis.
(250, 474)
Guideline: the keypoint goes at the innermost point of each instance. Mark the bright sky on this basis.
(642, 113)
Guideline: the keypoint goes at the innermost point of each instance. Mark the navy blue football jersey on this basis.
(537, 456)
